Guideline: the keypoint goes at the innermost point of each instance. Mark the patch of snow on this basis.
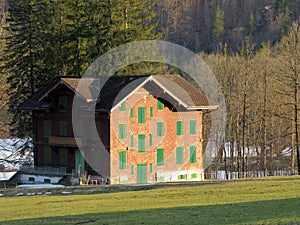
(267, 7)
(20, 194)
(4, 176)
(29, 194)
(9, 150)
(39, 185)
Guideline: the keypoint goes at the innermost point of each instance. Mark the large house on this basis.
(150, 127)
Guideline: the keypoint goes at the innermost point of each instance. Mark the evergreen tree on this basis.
(23, 60)
(133, 20)
(3, 85)
(218, 27)
(252, 27)
(283, 17)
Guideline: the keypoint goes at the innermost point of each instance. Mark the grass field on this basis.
(260, 201)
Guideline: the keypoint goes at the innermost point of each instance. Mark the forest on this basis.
(251, 46)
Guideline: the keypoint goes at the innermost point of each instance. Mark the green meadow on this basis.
(257, 201)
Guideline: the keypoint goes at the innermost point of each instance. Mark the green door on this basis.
(141, 173)
(79, 161)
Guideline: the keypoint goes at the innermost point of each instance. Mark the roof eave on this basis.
(169, 92)
(209, 107)
(132, 92)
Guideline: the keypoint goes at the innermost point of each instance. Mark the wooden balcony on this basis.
(67, 141)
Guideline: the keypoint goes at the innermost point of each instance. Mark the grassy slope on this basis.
(243, 202)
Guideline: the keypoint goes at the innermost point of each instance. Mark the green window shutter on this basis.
(96, 157)
(47, 128)
(63, 157)
(160, 129)
(131, 141)
(62, 104)
(160, 105)
(132, 170)
(79, 128)
(192, 126)
(122, 131)
(194, 175)
(151, 167)
(160, 157)
(151, 111)
(179, 155)
(150, 139)
(47, 156)
(63, 128)
(96, 133)
(192, 154)
(131, 112)
(122, 107)
(141, 143)
(122, 160)
(141, 115)
(179, 128)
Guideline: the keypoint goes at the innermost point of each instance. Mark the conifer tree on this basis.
(23, 60)
(218, 27)
(283, 17)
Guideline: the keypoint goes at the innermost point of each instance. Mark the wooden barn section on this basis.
(150, 127)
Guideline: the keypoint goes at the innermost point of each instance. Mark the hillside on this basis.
(190, 22)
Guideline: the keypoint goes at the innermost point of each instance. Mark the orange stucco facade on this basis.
(172, 154)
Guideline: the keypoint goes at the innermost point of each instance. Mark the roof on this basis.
(113, 91)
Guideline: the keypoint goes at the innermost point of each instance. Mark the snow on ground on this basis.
(10, 156)
(4, 176)
(39, 185)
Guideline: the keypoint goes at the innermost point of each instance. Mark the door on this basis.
(79, 161)
(142, 173)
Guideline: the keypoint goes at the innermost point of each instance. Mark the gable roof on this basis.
(113, 92)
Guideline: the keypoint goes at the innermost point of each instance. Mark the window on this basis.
(47, 156)
(141, 115)
(47, 181)
(160, 157)
(151, 167)
(182, 177)
(131, 141)
(141, 143)
(47, 128)
(62, 104)
(63, 157)
(31, 179)
(150, 139)
(160, 105)
(122, 160)
(192, 126)
(122, 131)
(122, 107)
(131, 112)
(192, 154)
(63, 128)
(160, 129)
(179, 128)
(179, 155)
(151, 111)
(132, 170)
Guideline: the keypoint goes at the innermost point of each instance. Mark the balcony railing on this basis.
(66, 141)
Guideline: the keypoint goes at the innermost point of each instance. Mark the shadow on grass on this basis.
(285, 211)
